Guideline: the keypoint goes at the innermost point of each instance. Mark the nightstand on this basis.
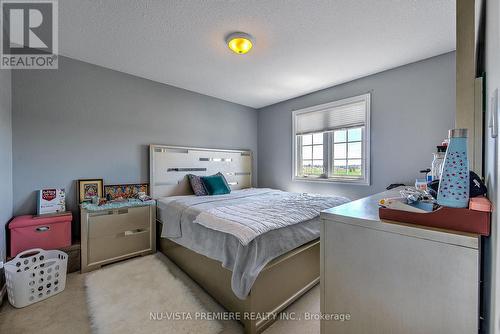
(116, 231)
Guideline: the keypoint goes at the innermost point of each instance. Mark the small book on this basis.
(50, 201)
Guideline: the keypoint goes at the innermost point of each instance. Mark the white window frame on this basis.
(366, 179)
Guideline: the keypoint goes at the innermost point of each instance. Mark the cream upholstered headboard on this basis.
(169, 165)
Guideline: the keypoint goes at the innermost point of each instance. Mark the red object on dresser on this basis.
(456, 219)
(29, 231)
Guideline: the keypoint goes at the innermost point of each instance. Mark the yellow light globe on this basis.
(239, 43)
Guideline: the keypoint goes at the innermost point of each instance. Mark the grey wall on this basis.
(492, 249)
(5, 156)
(85, 121)
(412, 108)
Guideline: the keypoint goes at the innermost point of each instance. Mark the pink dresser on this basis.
(29, 231)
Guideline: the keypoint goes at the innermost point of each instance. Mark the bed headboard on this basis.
(168, 166)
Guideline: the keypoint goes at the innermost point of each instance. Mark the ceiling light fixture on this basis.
(239, 42)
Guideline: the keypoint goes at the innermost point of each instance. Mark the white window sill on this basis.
(359, 182)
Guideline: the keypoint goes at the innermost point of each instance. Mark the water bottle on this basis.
(437, 162)
(454, 185)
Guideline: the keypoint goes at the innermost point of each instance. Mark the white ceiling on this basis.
(301, 45)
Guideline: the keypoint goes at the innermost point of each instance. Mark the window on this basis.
(331, 141)
(312, 154)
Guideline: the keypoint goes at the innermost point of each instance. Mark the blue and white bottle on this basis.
(454, 185)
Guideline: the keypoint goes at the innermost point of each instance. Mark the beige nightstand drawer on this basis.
(116, 234)
(108, 247)
(113, 222)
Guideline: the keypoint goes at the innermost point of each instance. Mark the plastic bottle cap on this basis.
(441, 148)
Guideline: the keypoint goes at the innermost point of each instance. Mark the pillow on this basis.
(225, 181)
(216, 184)
(197, 185)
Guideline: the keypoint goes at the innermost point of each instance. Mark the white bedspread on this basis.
(269, 211)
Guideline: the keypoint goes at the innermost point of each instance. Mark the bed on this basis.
(255, 274)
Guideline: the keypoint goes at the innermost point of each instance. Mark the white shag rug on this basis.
(127, 297)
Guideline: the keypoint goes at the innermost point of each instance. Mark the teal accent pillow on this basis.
(216, 184)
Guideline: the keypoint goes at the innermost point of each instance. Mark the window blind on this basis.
(331, 117)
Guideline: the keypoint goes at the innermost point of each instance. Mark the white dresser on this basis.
(395, 277)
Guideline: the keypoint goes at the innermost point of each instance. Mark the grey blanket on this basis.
(245, 261)
(268, 211)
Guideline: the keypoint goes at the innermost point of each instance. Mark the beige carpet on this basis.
(67, 312)
(142, 296)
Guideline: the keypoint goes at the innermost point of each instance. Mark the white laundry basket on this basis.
(35, 275)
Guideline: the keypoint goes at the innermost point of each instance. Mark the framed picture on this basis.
(115, 191)
(88, 188)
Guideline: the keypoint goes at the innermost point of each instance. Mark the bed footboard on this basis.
(279, 284)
